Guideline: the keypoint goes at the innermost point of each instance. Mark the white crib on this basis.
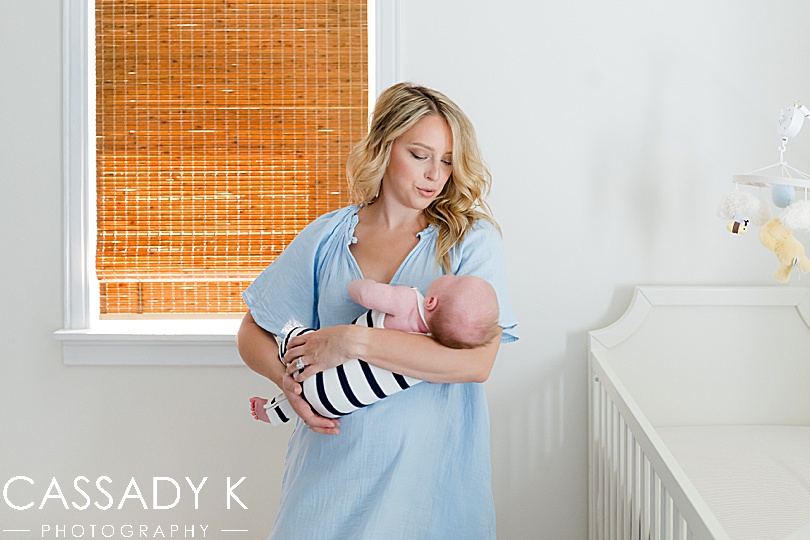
(699, 409)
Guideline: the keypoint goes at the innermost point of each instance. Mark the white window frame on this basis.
(86, 340)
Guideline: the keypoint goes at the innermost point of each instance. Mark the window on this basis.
(221, 131)
(87, 337)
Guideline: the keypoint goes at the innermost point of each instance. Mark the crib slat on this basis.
(623, 474)
(614, 490)
(606, 469)
(670, 518)
(596, 493)
(609, 472)
(655, 495)
(630, 482)
(665, 526)
(620, 477)
(676, 525)
(648, 498)
(637, 468)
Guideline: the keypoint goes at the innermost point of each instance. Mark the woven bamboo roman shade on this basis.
(223, 128)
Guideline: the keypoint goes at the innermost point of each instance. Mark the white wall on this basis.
(612, 129)
(120, 422)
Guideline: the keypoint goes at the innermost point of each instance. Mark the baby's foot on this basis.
(257, 409)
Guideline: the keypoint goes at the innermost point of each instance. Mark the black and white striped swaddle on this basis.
(341, 390)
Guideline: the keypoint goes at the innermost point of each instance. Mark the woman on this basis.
(415, 465)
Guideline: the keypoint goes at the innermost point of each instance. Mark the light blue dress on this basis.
(413, 466)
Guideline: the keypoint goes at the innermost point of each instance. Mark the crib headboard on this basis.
(713, 355)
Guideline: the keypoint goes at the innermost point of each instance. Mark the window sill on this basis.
(152, 343)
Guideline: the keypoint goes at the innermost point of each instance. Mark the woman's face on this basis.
(421, 162)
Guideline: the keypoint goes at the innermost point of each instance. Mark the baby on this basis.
(457, 311)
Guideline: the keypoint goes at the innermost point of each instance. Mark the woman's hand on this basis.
(321, 350)
(259, 350)
(313, 420)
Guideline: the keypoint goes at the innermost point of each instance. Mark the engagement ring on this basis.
(300, 363)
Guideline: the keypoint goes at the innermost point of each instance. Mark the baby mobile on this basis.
(745, 210)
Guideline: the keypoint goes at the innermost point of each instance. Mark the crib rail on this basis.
(637, 490)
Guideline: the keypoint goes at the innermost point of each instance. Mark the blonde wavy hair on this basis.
(461, 202)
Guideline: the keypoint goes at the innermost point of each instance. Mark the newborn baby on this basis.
(457, 311)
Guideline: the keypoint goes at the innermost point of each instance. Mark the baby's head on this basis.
(461, 311)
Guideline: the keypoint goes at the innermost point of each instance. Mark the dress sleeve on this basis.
(285, 293)
(480, 254)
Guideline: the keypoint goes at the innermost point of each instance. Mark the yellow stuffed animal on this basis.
(788, 249)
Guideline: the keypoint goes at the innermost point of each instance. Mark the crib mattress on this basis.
(756, 479)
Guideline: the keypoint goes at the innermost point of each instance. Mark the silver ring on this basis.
(300, 363)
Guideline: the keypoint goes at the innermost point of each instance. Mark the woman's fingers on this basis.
(296, 359)
(313, 420)
(321, 350)
(299, 368)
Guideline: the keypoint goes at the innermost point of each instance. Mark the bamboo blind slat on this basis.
(222, 129)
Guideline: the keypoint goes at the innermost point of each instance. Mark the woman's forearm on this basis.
(422, 357)
(259, 350)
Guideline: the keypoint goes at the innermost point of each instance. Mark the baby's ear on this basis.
(431, 302)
